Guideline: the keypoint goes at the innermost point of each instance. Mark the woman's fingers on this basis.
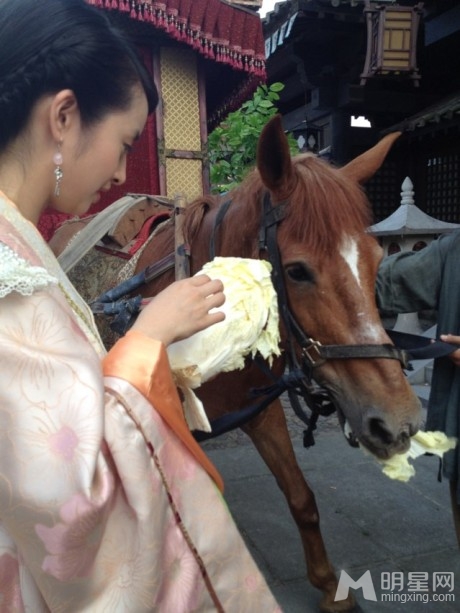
(182, 309)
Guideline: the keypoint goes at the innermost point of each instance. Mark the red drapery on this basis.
(217, 30)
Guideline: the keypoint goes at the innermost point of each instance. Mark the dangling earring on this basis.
(57, 159)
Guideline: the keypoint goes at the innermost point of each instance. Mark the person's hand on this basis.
(453, 340)
(182, 309)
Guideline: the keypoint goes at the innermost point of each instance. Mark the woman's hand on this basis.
(453, 340)
(182, 309)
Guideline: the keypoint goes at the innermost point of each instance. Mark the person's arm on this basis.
(410, 281)
(142, 362)
(75, 453)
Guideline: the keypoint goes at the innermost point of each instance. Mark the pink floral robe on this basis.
(106, 503)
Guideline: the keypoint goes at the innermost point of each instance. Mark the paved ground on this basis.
(369, 522)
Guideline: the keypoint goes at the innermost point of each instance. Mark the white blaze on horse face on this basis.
(349, 251)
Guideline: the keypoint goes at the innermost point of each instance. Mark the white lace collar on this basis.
(18, 275)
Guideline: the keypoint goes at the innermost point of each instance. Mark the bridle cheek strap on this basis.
(313, 353)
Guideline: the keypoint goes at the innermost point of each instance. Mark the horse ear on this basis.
(274, 157)
(364, 167)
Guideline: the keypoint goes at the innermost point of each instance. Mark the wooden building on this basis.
(207, 57)
(395, 65)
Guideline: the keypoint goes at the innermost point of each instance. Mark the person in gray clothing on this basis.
(429, 279)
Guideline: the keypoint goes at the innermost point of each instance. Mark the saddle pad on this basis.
(129, 225)
(107, 245)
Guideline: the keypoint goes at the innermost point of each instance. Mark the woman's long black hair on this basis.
(50, 45)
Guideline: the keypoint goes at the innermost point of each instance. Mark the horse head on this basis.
(329, 263)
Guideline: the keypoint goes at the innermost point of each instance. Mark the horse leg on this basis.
(270, 436)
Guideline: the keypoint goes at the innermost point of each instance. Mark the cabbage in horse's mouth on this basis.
(380, 453)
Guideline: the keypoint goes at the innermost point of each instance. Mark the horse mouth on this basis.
(380, 451)
(347, 430)
(385, 453)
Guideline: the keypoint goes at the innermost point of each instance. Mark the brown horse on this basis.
(328, 263)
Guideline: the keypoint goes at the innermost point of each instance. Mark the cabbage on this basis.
(437, 443)
(250, 327)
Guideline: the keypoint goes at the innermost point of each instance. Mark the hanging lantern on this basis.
(391, 41)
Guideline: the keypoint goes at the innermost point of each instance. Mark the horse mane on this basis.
(324, 205)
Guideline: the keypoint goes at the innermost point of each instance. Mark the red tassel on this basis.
(115, 4)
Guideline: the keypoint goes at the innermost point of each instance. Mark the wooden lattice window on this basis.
(383, 190)
(443, 186)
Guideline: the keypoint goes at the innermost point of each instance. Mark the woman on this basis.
(106, 501)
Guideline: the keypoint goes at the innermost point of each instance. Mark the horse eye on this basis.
(300, 273)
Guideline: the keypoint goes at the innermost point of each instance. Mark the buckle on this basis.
(313, 353)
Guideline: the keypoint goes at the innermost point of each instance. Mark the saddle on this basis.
(120, 230)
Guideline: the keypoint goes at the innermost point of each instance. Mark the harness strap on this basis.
(343, 352)
(126, 287)
(230, 421)
(272, 216)
(112, 302)
(420, 347)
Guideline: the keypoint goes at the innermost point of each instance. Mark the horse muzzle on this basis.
(381, 435)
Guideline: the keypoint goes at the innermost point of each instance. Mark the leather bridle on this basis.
(313, 353)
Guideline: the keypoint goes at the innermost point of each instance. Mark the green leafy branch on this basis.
(232, 145)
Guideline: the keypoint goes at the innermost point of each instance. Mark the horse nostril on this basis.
(404, 436)
(407, 431)
(379, 430)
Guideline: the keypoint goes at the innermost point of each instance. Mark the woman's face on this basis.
(95, 158)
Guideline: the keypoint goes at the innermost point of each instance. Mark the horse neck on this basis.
(235, 234)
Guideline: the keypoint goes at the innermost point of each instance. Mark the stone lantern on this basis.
(408, 228)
